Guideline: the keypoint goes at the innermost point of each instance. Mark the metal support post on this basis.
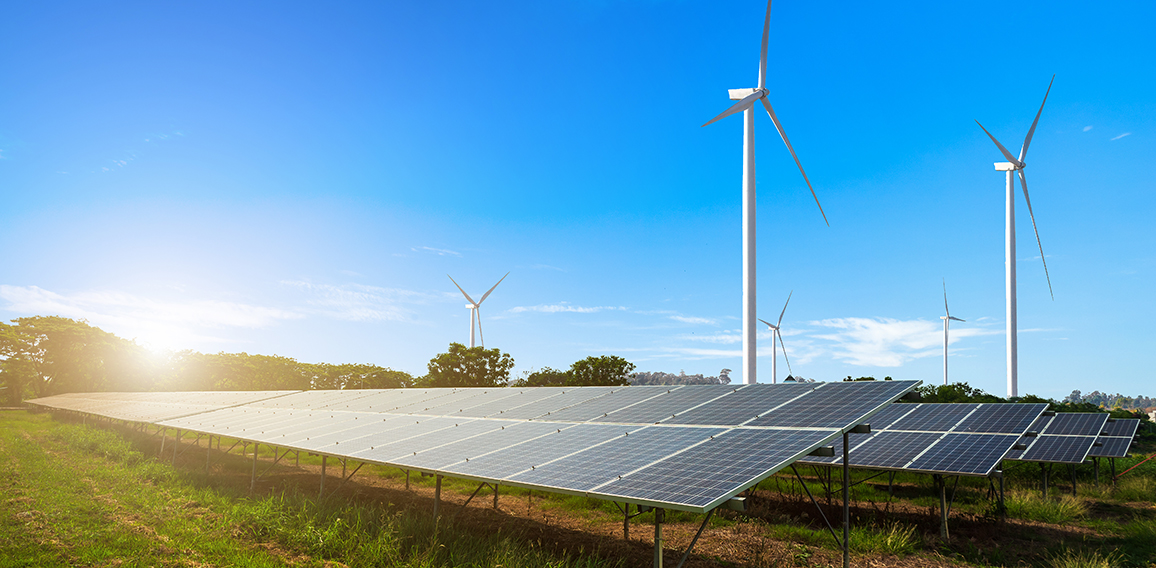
(164, 435)
(176, 443)
(1044, 478)
(1112, 463)
(437, 496)
(658, 538)
(1096, 465)
(693, 541)
(495, 496)
(1072, 467)
(407, 480)
(941, 484)
(321, 493)
(253, 476)
(1002, 507)
(626, 523)
(208, 454)
(846, 501)
(891, 484)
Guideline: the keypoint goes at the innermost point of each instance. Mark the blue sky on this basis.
(298, 179)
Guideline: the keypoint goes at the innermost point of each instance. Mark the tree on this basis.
(610, 370)
(465, 366)
(547, 377)
(955, 392)
(65, 355)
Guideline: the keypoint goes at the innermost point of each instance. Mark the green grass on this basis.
(1029, 505)
(1084, 559)
(74, 495)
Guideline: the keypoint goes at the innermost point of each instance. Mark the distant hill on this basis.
(660, 378)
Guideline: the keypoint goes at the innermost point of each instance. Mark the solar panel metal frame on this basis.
(902, 414)
(1045, 442)
(1118, 432)
(822, 436)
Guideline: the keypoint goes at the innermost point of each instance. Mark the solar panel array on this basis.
(1116, 439)
(1066, 437)
(951, 439)
(153, 406)
(686, 447)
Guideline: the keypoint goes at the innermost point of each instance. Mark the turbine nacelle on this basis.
(1007, 167)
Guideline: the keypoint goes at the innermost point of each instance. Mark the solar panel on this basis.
(152, 407)
(1066, 437)
(949, 439)
(599, 441)
(1116, 440)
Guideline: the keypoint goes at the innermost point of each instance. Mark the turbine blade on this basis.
(785, 308)
(784, 352)
(481, 337)
(1032, 130)
(462, 291)
(768, 323)
(1006, 154)
(775, 119)
(955, 318)
(945, 309)
(763, 53)
(738, 107)
(491, 290)
(1024, 184)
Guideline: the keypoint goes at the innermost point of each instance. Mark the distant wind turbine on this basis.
(775, 332)
(1017, 165)
(946, 322)
(747, 99)
(475, 307)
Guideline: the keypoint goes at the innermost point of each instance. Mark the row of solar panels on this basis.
(689, 447)
(972, 439)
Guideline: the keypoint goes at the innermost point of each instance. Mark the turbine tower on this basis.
(775, 332)
(475, 307)
(946, 322)
(747, 99)
(1012, 166)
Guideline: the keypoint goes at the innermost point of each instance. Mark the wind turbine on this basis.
(747, 98)
(946, 322)
(474, 307)
(1012, 166)
(776, 333)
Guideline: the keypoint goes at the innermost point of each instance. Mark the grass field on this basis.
(87, 495)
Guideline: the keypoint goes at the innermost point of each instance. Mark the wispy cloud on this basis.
(1087, 128)
(885, 342)
(437, 251)
(563, 307)
(691, 319)
(356, 302)
(1122, 135)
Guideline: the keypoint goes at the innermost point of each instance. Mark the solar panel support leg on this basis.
(626, 523)
(1044, 479)
(1002, 507)
(658, 537)
(816, 503)
(1096, 466)
(941, 488)
(437, 496)
(321, 493)
(891, 484)
(208, 454)
(495, 496)
(253, 475)
(694, 541)
(161, 451)
(846, 501)
(1072, 467)
(176, 443)
(407, 480)
(1112, 463)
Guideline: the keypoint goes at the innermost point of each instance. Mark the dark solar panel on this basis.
(506, 436)
(722, 466)
(1058, 449)
(1111, 447)
(887, 449)
(561, 397)
(1002, 418)
(965, 454)
(934, 417)
(540, 450)
(1077, 424)
(1125, 427)
(833, 404)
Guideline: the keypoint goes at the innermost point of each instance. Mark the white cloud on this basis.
(1122, 135)
(562, 308)
(886, 342)
(691, 319)
(1087, 128)
(437, 251)
(356, 302)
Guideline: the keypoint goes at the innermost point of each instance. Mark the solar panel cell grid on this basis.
(888, 449)
(472, 448)
(968, 454)
(1111, 447)
(742, 405)
(666, 405)
(716, 467)
(1001, 418)
(833, 404)
(934, 417)
(1122, 427)
(1059, 449)
(562, 398)
(1077, 424)
(592, 467)
(606, 403)
(432, 437)
(540, 450)
(500, 406)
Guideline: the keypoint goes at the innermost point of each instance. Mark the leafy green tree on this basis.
(465, 366)
(546, 377)
(955, 392)
(65, 355)
(610, 370)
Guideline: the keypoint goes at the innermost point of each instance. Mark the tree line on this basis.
(48, 355)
